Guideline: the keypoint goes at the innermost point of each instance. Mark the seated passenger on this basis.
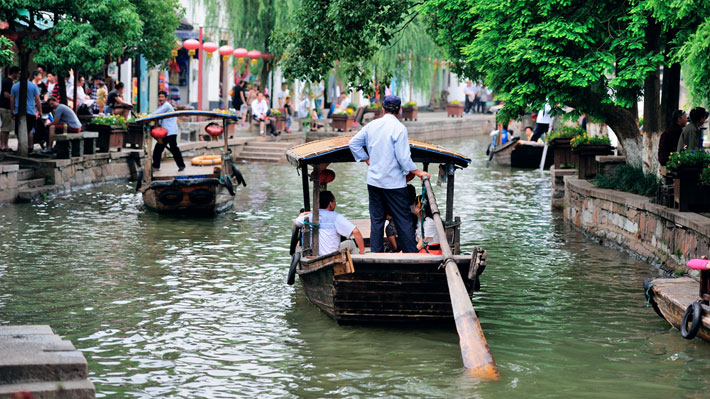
(428, 242)
(391, 233)
(332, 226)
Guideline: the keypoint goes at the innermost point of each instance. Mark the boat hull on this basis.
(671, 296)
(412, 289)
(201, 196)
(522, 154)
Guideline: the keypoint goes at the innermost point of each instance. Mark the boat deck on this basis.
(169, 170)
(674, 295)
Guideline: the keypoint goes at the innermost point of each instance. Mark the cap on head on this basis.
(392, 101)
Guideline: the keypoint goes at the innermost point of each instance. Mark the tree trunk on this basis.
(20, 119)
(623, 122)
(651, 102)
(670, 95)
(62, 89)
(433, 103)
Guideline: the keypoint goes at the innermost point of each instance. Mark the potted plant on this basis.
(343, 121)
(688, 168)
(454, 109)
(559, 141)
(111, 129)
(587, 148)
(410, 111)
(134, 132)
(279, 120)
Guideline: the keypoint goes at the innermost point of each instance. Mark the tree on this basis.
(71, 34)
(252, 24)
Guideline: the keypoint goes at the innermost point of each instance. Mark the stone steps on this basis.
(30, 194)
(35, 360)
(30, 183)
(264, 151)
(25, 174)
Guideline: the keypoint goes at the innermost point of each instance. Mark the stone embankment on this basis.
(660, 235)
(35, 361)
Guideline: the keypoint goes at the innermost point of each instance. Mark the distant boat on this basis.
(520, 154)
(198, 190)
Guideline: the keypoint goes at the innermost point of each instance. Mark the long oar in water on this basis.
(477, 357)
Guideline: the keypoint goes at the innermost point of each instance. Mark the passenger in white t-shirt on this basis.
(543, 122)
(331, 226)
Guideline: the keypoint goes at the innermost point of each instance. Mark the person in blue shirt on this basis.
(169, 124)
(389, 162)
(33, 111)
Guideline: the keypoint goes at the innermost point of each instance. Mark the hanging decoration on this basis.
(254, 55)
(191, 45)
(225, 52)
(210, 48)
(240, 54)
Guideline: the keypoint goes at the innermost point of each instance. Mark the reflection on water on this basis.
(198, 308)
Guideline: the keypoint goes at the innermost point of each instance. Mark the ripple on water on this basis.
(198, 308)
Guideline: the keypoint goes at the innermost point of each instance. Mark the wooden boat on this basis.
(197, 190)
(520, 154)
(683, 301)
(379, 287)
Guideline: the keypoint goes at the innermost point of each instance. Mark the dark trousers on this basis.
(540, 129)
(171, 143)
(397, 203)
(467, 105)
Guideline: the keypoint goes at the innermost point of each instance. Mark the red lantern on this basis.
(267, 56)
(191, 45)
(225, 52)
(159, 133)
(210, 48)
(240, 53)
(214, 129)
(254, 55)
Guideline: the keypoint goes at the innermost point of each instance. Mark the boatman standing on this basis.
(389, 162)
(169, 124)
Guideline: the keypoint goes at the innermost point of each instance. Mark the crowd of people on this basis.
(684, 132)
(44, 110)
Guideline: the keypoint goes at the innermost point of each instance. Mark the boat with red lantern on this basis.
(208, 183)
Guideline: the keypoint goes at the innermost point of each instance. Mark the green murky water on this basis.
(165, 307)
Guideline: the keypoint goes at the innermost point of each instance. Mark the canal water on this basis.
(198, 308)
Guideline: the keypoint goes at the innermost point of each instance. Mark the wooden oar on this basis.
(477, 357)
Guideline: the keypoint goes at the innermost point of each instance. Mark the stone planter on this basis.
(454, 110)
(586, 162)
(410, 113)
(134, 136)
(280, 123)
(110, 136)
(562, 150)
(688, 194)
(378, 112)
(343, 123)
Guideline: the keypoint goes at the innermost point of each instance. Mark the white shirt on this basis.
(544, 115)
(470, 90)
(429, 231)
(332, 225)
(259, 108)
(303, 107)
(282, 96)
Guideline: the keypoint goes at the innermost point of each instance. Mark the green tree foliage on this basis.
(252, 24)
(6, 53)
(362, 36)
(76, 34)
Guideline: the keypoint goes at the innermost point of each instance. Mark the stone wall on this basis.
(659, 235)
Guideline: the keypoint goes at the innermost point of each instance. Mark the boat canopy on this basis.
(336, 150)
(175, 114)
